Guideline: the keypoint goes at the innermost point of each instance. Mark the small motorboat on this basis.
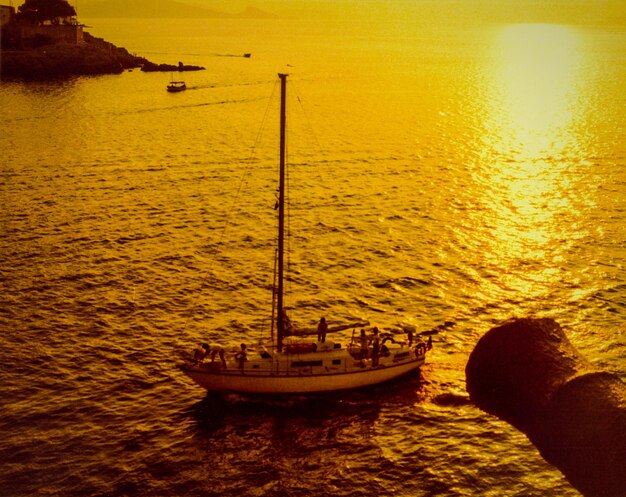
(175, 86)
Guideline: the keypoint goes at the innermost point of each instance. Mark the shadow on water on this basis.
(281, 446)
(332, 442)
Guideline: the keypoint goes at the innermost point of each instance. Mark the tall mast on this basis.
(280, 322)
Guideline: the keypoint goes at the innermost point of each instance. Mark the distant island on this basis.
(38, 45)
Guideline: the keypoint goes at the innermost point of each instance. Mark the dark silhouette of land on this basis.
(47, 41)
(93, 56)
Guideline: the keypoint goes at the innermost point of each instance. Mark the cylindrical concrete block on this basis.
(527, 373)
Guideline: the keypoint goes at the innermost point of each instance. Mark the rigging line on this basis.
(230, 212)
(288, 208)
(306, 118)
(295, 94)
(288, 285)
(274, 296)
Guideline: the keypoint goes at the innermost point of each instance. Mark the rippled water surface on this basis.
(439, 174)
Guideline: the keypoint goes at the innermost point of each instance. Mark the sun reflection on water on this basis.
(537, 75)
(532, 153)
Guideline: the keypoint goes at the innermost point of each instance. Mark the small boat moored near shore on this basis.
(176, 86)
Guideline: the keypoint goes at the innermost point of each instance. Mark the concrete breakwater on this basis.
(94, 56)
(527, 373)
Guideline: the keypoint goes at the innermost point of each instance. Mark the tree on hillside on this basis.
(40, 11)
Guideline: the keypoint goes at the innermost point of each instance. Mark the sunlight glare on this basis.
(531, 139)
(537, 67)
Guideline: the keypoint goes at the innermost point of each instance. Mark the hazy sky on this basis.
(577, 11)
(549, 11)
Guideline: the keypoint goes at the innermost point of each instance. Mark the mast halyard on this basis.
(299, 365)
(280, 317)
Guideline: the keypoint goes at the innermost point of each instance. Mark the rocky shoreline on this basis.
(93, 57)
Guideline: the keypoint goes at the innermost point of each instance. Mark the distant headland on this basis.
(57, 46)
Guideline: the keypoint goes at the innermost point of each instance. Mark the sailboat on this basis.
(295, 363)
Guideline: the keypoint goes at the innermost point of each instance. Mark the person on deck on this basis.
(322, 329)
(242, 356)
(364, 344)
(375, 348)
(289, 328)
(218, 351)
(200, 353)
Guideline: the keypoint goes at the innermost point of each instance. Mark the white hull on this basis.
(316, 372)
(255, 383)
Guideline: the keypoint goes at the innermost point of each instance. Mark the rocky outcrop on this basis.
(152, 67)
(95, 56)
(527, 373)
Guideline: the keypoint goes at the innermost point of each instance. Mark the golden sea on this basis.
(439, 173)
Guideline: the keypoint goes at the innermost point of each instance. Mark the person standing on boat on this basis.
(322, 329)
(241, 356)
(289, 329)
(375, 348)
(364, 344)
(409, 336)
